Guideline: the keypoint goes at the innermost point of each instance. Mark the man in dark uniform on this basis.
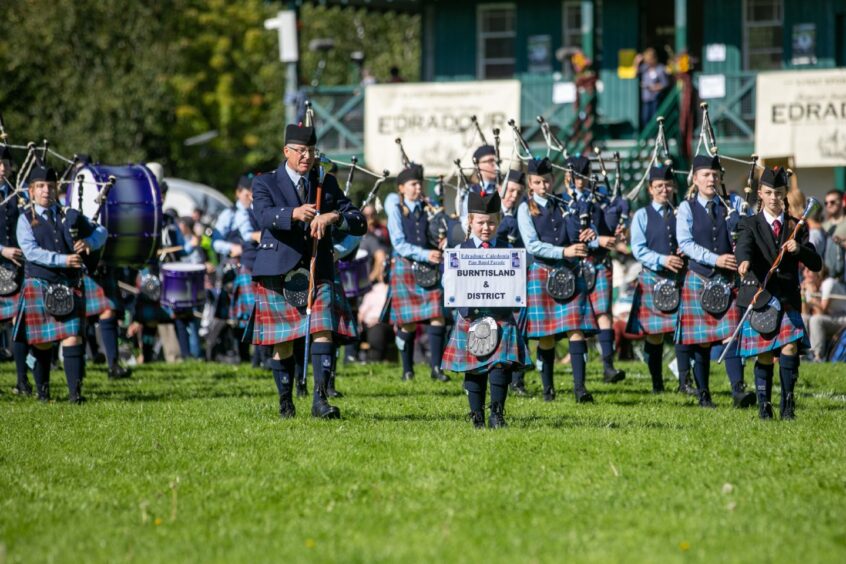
(285, 204)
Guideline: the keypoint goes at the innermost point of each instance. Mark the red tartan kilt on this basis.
(644, 317)
(548, 317)
(35, 326)
(9, 306)
(96, 301)
(600, 296)
(697, 326)
(409, 302)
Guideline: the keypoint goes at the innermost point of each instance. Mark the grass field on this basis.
(191, 463)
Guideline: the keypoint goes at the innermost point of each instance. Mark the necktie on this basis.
(777, 228)
(710, 207)
(667, 213)
(48, 215)
(301, 189)
(486, 245)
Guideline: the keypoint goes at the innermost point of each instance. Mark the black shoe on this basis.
(765, 410)
(321, 408)
(407, 376)
(438, 374)
(743, 399)
(77, 399)
(19, 390)
(549, 394)
(705, 399)
(657, 391)
(788, 411)
(287, 410)
(612, 375)
(333, 393)
(118, 372)
(477, 418)
(497, 419)
(584, 396)
(687, 389)
(302, 389)
(518, 389)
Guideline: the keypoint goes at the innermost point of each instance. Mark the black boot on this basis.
(407, 376)
(302, 388)
(584, 396)
(477, 418)
(687, 389)
(331, 391)
(497, 419)
(611, 375)
(518, 389)
(789, 409)
(741, 397)
(549, 394)
(705, 399)
(118, 372)
(287, 410)
(321, 408)
(765, 410)
(438, 374)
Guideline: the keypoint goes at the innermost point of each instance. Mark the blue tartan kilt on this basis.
(35, 326)
(644, 317)
(696, 326)
(600, 296)
(409, 302)
(548, 317)
(345, 304)
(275, 321)
(96, 300)
(9, 306)
(511, 352)
(243, 299)
(792, 329)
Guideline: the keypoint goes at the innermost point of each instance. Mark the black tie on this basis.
(667, 213)
(48, 215)
(301, 189)
(710, 207)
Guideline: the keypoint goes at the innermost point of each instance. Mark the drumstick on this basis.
(169, 250)
(129, 288)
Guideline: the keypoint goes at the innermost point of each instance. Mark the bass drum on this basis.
(132, 214)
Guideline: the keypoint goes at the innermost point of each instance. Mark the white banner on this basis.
(802, 114)
(433, 121)
(485, 278)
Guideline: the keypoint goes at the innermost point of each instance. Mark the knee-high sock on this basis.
(407, 352)
(299, 360)
(148, 342)
(475, 385)
(436, 343)
(734, 367)
(683, 363)
(578, 351)
(321, 364)
(109, 335)
(20, 352)
(283, 376)
(181, 327)
(606, 344)
(655, 360)
(788, 372)
(74, 361)
(702, 367)
(41, 372)
(547, 357)
(764, 382)
(91, 339)
(499, 379)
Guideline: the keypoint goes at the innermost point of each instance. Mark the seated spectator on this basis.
(827, 309)
(378, 337)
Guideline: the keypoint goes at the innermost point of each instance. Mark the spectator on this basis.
(378, 336)
(835, 229)
(367, 77)
(827, 308)
(653, 81)
(395, 75)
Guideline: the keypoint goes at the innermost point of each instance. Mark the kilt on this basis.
(147, 311)
(644, 317)
(600, 297)
(276, 321)
(345, 304)
(9, 306)
(243, 299)
(511, 351)
(792, 329)
(409, 302)
(696, 326)
(96, 301)
(547, 317)
(35, 326)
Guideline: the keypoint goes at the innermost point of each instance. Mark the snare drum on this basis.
(132, 214)
(355, 274)
(183, 285)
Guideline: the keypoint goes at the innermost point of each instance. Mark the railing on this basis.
(733, 116)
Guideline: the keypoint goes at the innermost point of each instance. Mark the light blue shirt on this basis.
(402, 247)
(346, 245)
(643, 254)
(230, 221)
(39, 255)
(684, 229)
(534, 245)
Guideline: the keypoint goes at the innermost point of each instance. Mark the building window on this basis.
(763, 25)
(497, 37)
(572, 25)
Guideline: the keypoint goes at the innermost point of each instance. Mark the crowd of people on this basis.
(282, 288)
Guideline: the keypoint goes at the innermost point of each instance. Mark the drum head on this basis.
(183, 267)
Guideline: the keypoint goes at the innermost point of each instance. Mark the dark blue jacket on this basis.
(285, 243)
(58, 240)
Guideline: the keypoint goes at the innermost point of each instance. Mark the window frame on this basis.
(747, 25)
(481, 60)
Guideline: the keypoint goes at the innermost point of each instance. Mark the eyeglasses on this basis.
(303, 151)
(832, 202)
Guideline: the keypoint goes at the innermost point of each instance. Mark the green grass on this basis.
(191, 463)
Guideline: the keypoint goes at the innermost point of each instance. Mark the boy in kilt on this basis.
(605, 221)
(655, 246)
(411, 303)
(285, 204)
(704, 227)
(554, 238)
(510, 352)
(10, 259)
(760, 238)
(53, 242)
